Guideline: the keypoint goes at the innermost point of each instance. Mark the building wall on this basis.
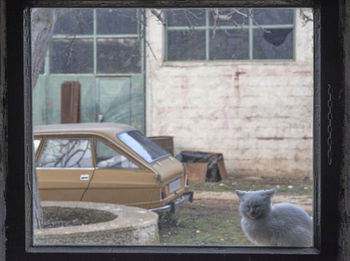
(257, 113)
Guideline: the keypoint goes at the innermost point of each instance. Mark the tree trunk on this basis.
(42, 25)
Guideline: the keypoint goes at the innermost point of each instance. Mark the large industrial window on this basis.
(230, 34)
(96, 41)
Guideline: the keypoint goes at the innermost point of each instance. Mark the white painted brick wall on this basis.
(258, 114)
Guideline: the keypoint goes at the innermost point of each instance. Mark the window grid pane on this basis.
(93, 34)
(279, 34)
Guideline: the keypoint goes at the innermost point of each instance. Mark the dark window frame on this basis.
(18, 141)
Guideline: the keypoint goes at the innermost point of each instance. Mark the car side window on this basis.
(66, 153)
(109, 158)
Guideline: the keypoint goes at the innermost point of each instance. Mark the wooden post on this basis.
(70, 102)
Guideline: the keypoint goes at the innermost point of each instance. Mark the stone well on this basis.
(133, 226)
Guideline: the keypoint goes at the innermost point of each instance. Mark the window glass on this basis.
(75, 22)
(265, 16)
(214, 127)
(142, 145)
(229, 44)
(186, 45)
(71, 56)
(113, 47)
(186, 17)
(118, 55)
(230, 17)
(230, 34)
(117, 21)
(66, 153)
(108, 158)
(273, 43)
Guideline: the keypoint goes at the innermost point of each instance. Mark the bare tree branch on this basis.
(158, 16)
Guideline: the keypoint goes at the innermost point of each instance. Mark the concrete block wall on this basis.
(259, 114)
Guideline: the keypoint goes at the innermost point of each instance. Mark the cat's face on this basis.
(255, 204)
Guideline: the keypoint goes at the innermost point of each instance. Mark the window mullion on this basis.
(207, 36)
(94, 41)
(251, 45)
(294, 35)
(165, 39)
(142, 37)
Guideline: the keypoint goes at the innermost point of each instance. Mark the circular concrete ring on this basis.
(133, 226)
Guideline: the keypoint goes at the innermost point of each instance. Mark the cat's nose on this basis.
(254, 213)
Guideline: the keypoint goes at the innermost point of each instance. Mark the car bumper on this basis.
(170, 207)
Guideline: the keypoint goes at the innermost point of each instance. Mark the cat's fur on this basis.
(282, 224)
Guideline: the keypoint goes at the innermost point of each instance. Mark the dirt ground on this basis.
(212, 218)
(216, 198)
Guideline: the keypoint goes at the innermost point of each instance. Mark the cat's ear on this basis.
(240, 194)
(269, 193)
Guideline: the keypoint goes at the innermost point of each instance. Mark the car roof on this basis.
(83, 128)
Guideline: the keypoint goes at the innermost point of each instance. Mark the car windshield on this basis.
(143, 146)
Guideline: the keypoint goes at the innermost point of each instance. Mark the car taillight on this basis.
(163, 193)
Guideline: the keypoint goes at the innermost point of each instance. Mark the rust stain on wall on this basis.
(307, 138)
(237, 76)
(270, 138)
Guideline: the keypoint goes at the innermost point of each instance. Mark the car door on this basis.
(118, 179)
(64, 168)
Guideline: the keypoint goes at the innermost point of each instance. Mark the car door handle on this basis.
(84, 177)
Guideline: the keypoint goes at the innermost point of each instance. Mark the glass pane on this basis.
(108, 158)
(186, 45)
(143, 146)
(66, 154)
(229, 16)
(118, 56)
(263, 16)
(117, 21)
(71, 56)
(273, 43)
(185, 17)
(234, 125)
(229, 44)
(74, 22)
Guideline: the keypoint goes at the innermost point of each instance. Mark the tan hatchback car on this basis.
(107, 162)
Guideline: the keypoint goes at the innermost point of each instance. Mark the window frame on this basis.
(250, 27)
(328, 59)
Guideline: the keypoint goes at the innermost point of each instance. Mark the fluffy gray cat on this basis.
(282, 224)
